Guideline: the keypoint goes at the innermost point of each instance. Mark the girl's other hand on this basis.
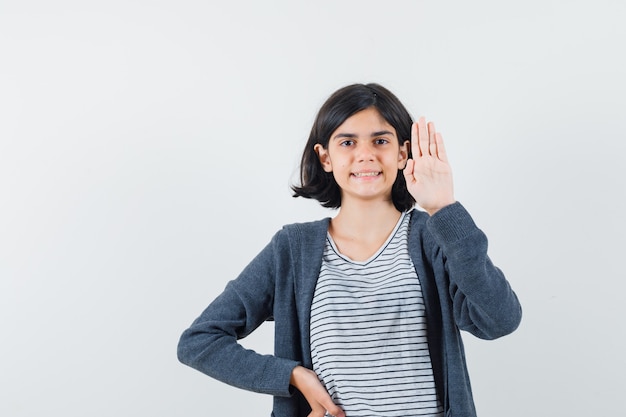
(307, 382)
(428, 174)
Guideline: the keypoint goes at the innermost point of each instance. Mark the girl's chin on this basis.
(367, 193)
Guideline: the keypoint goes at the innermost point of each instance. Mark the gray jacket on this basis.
(462, 290)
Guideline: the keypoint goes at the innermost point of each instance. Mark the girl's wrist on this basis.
(431, 211)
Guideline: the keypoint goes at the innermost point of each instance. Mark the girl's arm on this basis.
(483, 302)
(482, 299)
(210, 343)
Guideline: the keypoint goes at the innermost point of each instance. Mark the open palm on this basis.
(428, 175)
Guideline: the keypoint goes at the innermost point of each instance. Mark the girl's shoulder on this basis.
(311, 231)
(315, 225)
(418, 221)
(297, 240)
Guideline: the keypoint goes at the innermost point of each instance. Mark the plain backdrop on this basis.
(146, 153)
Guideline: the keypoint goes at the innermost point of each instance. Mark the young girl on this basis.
(367, 305)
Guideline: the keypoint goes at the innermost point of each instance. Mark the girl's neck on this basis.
(369, 214)
(361, 227)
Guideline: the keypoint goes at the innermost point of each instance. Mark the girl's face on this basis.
(364, 154)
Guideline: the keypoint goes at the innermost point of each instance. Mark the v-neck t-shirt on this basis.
(368, 332)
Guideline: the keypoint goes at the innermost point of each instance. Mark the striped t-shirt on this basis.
(368, 332)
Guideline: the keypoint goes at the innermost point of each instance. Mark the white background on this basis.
(146, 152)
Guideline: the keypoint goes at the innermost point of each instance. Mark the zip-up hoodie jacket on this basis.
(461, 287)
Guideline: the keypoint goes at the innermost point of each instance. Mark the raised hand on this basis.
(428, 175)
(310, 386)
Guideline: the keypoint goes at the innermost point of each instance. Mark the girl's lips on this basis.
(366, 174)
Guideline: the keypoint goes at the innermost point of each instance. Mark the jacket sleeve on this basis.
(483, 302)
(210, 343)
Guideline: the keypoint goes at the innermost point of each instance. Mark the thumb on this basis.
(334, 410)
(408, 170)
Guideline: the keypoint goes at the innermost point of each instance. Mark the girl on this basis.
(367, 305)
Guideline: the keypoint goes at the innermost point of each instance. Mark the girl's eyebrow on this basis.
(382, 133)
(354, 135)
(344, 135)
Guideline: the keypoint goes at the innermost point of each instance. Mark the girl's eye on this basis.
(381, 141)
(347, 143)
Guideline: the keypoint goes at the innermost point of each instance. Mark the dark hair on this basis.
(321, 185)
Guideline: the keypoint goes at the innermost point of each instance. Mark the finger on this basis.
(441, 149)
(415, 149)
(422, 136)
(408, 171)
(329, 405)
(335, 411)
(432, 142)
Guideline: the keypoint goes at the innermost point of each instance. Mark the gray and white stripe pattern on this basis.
(368, 332)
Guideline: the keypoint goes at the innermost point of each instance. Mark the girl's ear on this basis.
(322, 154)
(403, 154)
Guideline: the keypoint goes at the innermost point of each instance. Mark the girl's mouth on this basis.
(366, 174)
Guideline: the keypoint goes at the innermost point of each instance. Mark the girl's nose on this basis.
(365, 153)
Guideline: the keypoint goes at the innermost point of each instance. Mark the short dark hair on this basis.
(320, 185)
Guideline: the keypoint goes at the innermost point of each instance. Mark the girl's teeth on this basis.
(366, 174)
